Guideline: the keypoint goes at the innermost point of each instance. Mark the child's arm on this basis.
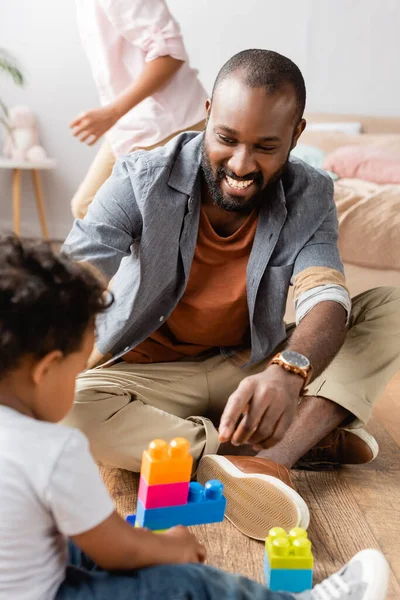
(94, 123)
(114, 544)
(83, 511)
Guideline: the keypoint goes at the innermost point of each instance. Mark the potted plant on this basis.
(9, 66)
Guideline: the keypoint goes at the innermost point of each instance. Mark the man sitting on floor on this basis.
(201, 239)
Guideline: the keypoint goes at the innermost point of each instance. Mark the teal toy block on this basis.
(288, 560)
(288, 580)
(205, 505)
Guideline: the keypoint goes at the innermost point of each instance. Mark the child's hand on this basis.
(181, 546)
(116, 545)
(92, 124)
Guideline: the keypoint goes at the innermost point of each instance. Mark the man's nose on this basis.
(242, 162)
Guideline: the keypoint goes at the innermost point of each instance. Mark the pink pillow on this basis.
(368, 163)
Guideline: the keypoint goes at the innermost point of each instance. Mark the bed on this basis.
(368, 212)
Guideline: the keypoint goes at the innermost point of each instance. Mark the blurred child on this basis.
(51, 490)
(148, 91)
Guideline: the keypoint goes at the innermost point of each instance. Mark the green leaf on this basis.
(9, 65)
(4, 108)
(6, 125)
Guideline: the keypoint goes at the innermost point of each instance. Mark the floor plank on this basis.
(231, 551)
(339, 526)
(377, 494)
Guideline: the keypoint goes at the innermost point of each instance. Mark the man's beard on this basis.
(230, 202)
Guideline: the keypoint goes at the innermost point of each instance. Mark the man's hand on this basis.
(268, 404)
(181, 546)
(92, 124)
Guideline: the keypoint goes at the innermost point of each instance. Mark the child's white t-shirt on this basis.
(50, 489)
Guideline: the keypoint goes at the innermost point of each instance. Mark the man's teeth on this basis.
(239, 185)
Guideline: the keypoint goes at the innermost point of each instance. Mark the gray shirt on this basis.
(141, 231)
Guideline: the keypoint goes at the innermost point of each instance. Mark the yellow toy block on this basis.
(156, 531)
(167, 463)
(289, 551)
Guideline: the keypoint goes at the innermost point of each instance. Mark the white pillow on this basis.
(342, 127)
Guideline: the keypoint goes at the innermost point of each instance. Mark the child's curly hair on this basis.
(47, 301)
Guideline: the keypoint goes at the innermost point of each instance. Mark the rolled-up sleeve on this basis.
(321, 250)
(318, 273)
(147, 24)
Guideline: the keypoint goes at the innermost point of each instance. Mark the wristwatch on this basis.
(295, 363)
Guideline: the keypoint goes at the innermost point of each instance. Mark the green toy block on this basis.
(289, 551)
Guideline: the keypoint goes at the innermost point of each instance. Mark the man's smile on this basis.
(240, 187)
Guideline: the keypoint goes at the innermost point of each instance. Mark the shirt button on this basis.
(161, 319)
(126, 349)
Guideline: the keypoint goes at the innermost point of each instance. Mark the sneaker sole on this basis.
(368, 439)
(255, 502)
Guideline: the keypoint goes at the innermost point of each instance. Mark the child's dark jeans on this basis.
(85, 581)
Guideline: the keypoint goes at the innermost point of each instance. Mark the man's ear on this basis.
(297, 132)
(208, 107)
(45, 365)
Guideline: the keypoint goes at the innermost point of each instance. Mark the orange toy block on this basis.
(167, 463)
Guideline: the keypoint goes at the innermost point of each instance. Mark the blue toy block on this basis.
(287, 580)
(205, 505)
(131, 519)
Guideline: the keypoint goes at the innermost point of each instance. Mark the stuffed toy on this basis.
(22, 143)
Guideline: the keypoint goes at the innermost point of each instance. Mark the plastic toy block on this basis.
(167, 463)
(289, 551)
(161, 495)
(205, 505)
(288, 580)
(288, 560)
(131, 519)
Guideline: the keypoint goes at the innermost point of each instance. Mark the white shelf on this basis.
(7, 163)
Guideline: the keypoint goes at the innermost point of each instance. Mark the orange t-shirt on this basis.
(213, 310)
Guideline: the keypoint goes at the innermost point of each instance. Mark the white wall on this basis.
(43, 35)
(348, 51)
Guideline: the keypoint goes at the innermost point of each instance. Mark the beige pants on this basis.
(100, 170)
(124, 407)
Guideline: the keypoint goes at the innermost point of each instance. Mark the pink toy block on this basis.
(163, 495)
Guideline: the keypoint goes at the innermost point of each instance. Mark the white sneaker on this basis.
(365, 577)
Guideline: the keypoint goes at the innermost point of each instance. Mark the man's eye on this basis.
(225, 139)
(266, 148)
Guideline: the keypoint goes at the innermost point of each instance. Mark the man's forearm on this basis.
(154, 75)
(320, 335)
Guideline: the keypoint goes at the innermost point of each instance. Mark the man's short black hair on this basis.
(47, 301)
(268, 69)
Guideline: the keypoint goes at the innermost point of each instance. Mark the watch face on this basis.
(295, 359)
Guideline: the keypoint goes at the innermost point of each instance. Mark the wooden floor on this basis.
(351, 509)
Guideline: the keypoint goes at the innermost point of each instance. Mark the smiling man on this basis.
(202, 239)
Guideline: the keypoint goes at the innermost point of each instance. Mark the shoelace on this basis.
(333, 588)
